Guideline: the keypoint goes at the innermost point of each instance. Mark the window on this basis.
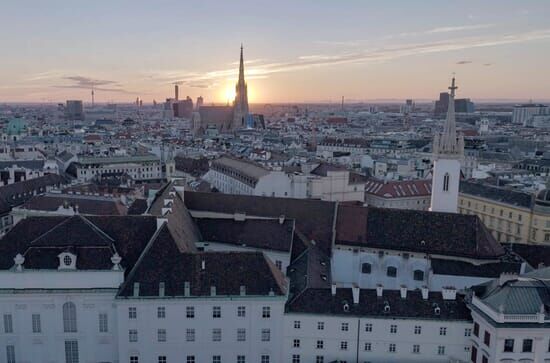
(484, 359)
(132, 335)
(8, 323)
(132, 313)
(161, 335)
(216, 359)
(216, 335)
(320, 344)
(416, 348)
(392, 348)
(345, 327)
(265, 359)
(241, 335)
(190, 313)
(10, 354)
(266, 335)
(476, 329)
(442, 331)
(508, 345)
(393, 329)
(296, 343)
(467, 332)
(473, 355)
(296, 358)
(391, 271)
(190, 335)
(161, 312)
(441, 350)
(319, 359)
(216, 312)
(446, 182)
(103, 323)
(279, 264)
(417, 329)
(366, 268)
(320, 325)
(69, 317)
(418, 275)
(266, 312)
(161, 359)
(241, 359)
(368, 347)
(487, 338)
(71, 351)
(190, 359)
(343, 345)
(241, 311)
(134, 359)
(368, 327)
(36, 323)
(527, 346)
(296, 324)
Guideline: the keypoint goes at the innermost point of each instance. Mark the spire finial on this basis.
(453, 87)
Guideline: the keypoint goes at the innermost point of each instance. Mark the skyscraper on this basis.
(74, 110)
(240, 105)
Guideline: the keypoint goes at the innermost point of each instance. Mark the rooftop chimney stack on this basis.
(186, 289)
(379, 290)
(136, 289)
(403, 291)
(425, 292)
(161, 289)
(355, 291)
(333, 289)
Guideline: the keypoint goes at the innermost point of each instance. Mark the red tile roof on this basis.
(399, 189)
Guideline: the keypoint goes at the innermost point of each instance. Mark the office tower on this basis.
(74, 110)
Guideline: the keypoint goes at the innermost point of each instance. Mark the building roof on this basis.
(398, 189)
(27, 164)
(83, 204)
(267, 234)
(499, 195)
(324, 168)
(433, 233)
(244, 167)
(536, 255)
(18, 193)
(462, 268)
(117, 159)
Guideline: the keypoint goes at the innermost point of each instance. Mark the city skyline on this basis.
(370, 52)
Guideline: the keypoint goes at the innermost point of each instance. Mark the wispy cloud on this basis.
(449, 29)
(81, 82)
(464, 62)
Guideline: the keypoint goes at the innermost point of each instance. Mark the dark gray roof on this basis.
(512, 197)
(28, 164)
(17, 193)
(461, 268)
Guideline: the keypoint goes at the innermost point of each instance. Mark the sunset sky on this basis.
(295, 51)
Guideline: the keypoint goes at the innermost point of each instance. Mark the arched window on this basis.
(418, 275)
(366, 268)
(446, 182)
(392, 271)
(69, 317)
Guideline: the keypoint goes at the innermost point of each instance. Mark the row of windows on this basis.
(190, 312)
(484, 209)
(368, 328)
(190, 335)
(391, 271)
(392, 348)
(71, 352)
(215, 359)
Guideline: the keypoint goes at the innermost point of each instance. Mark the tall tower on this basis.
(448, 150)
(240, 105)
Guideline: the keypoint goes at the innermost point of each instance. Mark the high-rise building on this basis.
(200, 101)
(448, 149)
(74, 110)
(240, 105)
(183, 108)
(462, 105)
(523, 114)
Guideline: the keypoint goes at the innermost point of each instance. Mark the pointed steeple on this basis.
(447, 142)
(240, 105)
(241, 66)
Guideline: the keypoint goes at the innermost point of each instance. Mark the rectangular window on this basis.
(320, 325)
(36, 323)
(266, 335)
(162, 359)
(216, 312)
(393, 329)
(319, 359)
(527, 346)
(296, 343)
(265, 359)
(442, 331)
(473, 355)
(343, 345)
(132, 313)
(297, 324)
(509, 345)
(190, 313)
(392, 348)
(241, 311)
(71, 351)
(10, 353)
(241, 359)
(216, 359)
(241, 335)
(190, 335)
(484, 359)
(103, 323)
(368, 347)
(266, 312)
(487, 338)
(345, 327)
(279, 264)
(161, 335)
(190, 359)
(134, 359)
(216, 335)
(368, 327)
(441, 350)
(133, 335)
(467, 332)
(476, 329)
(8, 323)
(417, 329)
(161, 312)
(320, 344)
(295, 358)
(416, 348)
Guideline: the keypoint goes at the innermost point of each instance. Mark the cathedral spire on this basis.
(241, 66)
(447, 142)
(240, 105)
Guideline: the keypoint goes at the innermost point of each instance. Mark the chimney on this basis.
(379, 290)
(19, 260)
(243, 290)
(161, 289)
(403, 291)
(136, 289)
(212, 290)
(505, 277)
(203, 265)
(425, 292)
(333, 289)
(186, 289)
(449, 293)
(176, 92)
(355, 292)
(281, 219)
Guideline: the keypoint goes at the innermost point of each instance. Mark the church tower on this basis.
(448, 151)
(240, 105)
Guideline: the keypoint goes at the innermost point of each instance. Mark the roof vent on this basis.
(425, 292)
(67, 261)
(161, 289)
(186, 289)
(386, 307)
(19, 260)
(403, 291)
(212, 290)
(437, 310)
(449, 293)
(333, 289)
(203, 265)
(115, 260)
(355, 293)
(136, 289)
(281, 219)
(243, 290)
(345, 307)
(379, 290)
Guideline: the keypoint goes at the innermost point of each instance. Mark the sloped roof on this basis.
(399, 189)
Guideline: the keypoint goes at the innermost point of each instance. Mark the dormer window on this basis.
(67, 261)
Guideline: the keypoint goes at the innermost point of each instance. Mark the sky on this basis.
(295, 50)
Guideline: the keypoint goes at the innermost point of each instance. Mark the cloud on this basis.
(464, 62)
(81, 82)
(449, 29)
(488, 64)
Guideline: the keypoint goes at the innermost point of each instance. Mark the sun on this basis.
(229, 94)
